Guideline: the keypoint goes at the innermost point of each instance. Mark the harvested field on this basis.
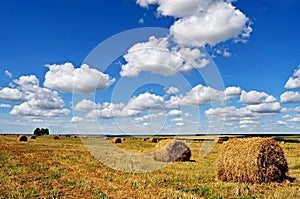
(46, 168)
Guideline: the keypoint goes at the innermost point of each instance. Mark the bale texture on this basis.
(171, 150)
(153, 140)
(252, 160)
(116, 140)
(22, 138)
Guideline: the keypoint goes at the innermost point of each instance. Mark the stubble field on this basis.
(64, 168)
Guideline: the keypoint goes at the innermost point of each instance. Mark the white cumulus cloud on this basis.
(255, 97)
(204, 21)
(8, 73)
(156, 56)
(265, 107)
(172, 90)
(175, 112)
(11, 95)
(290, 97)
(66, 78)
(5, 105)
(146, 101)
(294, 81)
(86, 106)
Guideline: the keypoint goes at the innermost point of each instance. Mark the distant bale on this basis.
(33, 137)
(252, 160)
(22, 138)
(219, 140)
(56, 138)
(155, 140)
(144, 139)
(123, 139)
(171, 150)
(116, 140)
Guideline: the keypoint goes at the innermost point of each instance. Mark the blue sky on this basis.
(47, 51)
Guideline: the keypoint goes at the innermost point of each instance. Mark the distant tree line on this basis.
(40, 132)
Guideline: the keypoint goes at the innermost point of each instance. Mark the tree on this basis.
(37, 132)
(40, 132)
(44, 131)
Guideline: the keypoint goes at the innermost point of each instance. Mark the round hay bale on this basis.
(56, 138)
(219, 140)
(155, 140)
(22, 138)
(33, 137)
(252, 160)
(116, 140)
(171, 150)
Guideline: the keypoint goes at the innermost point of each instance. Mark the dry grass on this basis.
(44, 168)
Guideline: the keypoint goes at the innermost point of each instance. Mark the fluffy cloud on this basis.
(175, 113)
(180, 124)
(220, 22)
(41, 103)
(149, 117)
(232, 92)
(178, 119)
(66, 78)
(295, 118)
(177, 9)
(231, 113)
(5, 106)
(27, 82)
(111, 110)
(294, 82)
(86, 106)
(200, 95)
(297, 109)
(172, 90)
(8, 73)
(250, 112)
(36, 101)
(265, 107)
(146, 101)
(280, 122)
(156, 56)
(290, 97)
(255, 97)
(135, 106)
(204, 21)
(11, 95)
(26, 109)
